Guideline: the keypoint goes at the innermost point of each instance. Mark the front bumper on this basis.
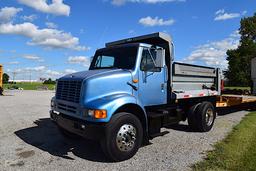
(89, 130)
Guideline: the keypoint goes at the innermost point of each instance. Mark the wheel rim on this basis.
(209, 117)
(126, 137)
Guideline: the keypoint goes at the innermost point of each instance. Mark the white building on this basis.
(24, 81)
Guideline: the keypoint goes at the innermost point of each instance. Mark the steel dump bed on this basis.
(189, 81)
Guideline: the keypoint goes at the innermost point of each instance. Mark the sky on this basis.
(51, 38)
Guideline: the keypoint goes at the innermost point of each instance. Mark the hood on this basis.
(90, 73)
(106, 83)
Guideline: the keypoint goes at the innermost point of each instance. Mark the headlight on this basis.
(52, 103)
(91, 113)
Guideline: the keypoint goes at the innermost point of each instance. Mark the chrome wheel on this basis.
(126, 137)
(209, 118)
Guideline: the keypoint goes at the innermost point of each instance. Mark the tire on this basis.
(123, 129)
(68, 134)
(205, 116)
(192, 117)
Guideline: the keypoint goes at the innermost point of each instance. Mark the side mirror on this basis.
(160, 57)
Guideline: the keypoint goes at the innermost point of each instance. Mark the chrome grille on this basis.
(69, 90)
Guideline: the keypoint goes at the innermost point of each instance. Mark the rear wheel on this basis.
(192, 117)
(206, 115)
(202, 116)
(123, 137)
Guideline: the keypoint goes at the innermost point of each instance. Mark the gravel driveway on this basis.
(30, 141)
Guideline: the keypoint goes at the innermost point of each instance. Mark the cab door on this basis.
(153, 84)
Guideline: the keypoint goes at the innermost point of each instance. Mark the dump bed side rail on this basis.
(189, 81)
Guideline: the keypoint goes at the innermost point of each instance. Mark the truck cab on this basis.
(132, 89)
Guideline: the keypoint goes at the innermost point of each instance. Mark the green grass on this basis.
(241, 88)
(237, 151)
(29, 86)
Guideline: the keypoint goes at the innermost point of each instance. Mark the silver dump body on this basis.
(190, 81)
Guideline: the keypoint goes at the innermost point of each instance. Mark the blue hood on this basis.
(102, 82)
(88, 74)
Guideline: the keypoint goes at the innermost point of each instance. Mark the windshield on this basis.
(120, 57)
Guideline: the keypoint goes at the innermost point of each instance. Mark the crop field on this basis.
(29, 86)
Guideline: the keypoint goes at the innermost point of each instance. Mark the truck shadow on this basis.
(46, 136)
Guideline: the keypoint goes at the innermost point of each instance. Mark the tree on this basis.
(49, 81)
(5, 78)
(239, 60)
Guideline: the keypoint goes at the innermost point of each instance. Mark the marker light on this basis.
(135, 80)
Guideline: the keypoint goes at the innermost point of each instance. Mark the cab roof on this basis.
(157, 39)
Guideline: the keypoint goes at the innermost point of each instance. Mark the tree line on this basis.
(239, 60)
(6, 78)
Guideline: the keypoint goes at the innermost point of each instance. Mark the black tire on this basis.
(201, 113)
(192, 116)
(109, 143)
(68, 134)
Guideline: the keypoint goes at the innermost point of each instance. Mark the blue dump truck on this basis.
(132, 89)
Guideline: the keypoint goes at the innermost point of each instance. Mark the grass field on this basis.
(238, 88)
(29, 86)
(237, 151)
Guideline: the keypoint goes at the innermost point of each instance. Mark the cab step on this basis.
(156, 115)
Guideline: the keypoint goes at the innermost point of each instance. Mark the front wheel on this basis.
(123, 137)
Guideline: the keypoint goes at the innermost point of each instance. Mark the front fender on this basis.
(111, 104)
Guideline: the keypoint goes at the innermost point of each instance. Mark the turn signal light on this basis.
(98, 114)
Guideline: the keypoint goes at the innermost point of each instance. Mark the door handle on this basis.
(165, 74)
(162, 86)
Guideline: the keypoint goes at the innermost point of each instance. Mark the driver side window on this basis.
(147, 63)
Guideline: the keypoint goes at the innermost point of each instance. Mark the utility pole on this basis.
(30, 76)
(13, 76)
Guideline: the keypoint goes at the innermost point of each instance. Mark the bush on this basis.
(49, 81)
(5, 78)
